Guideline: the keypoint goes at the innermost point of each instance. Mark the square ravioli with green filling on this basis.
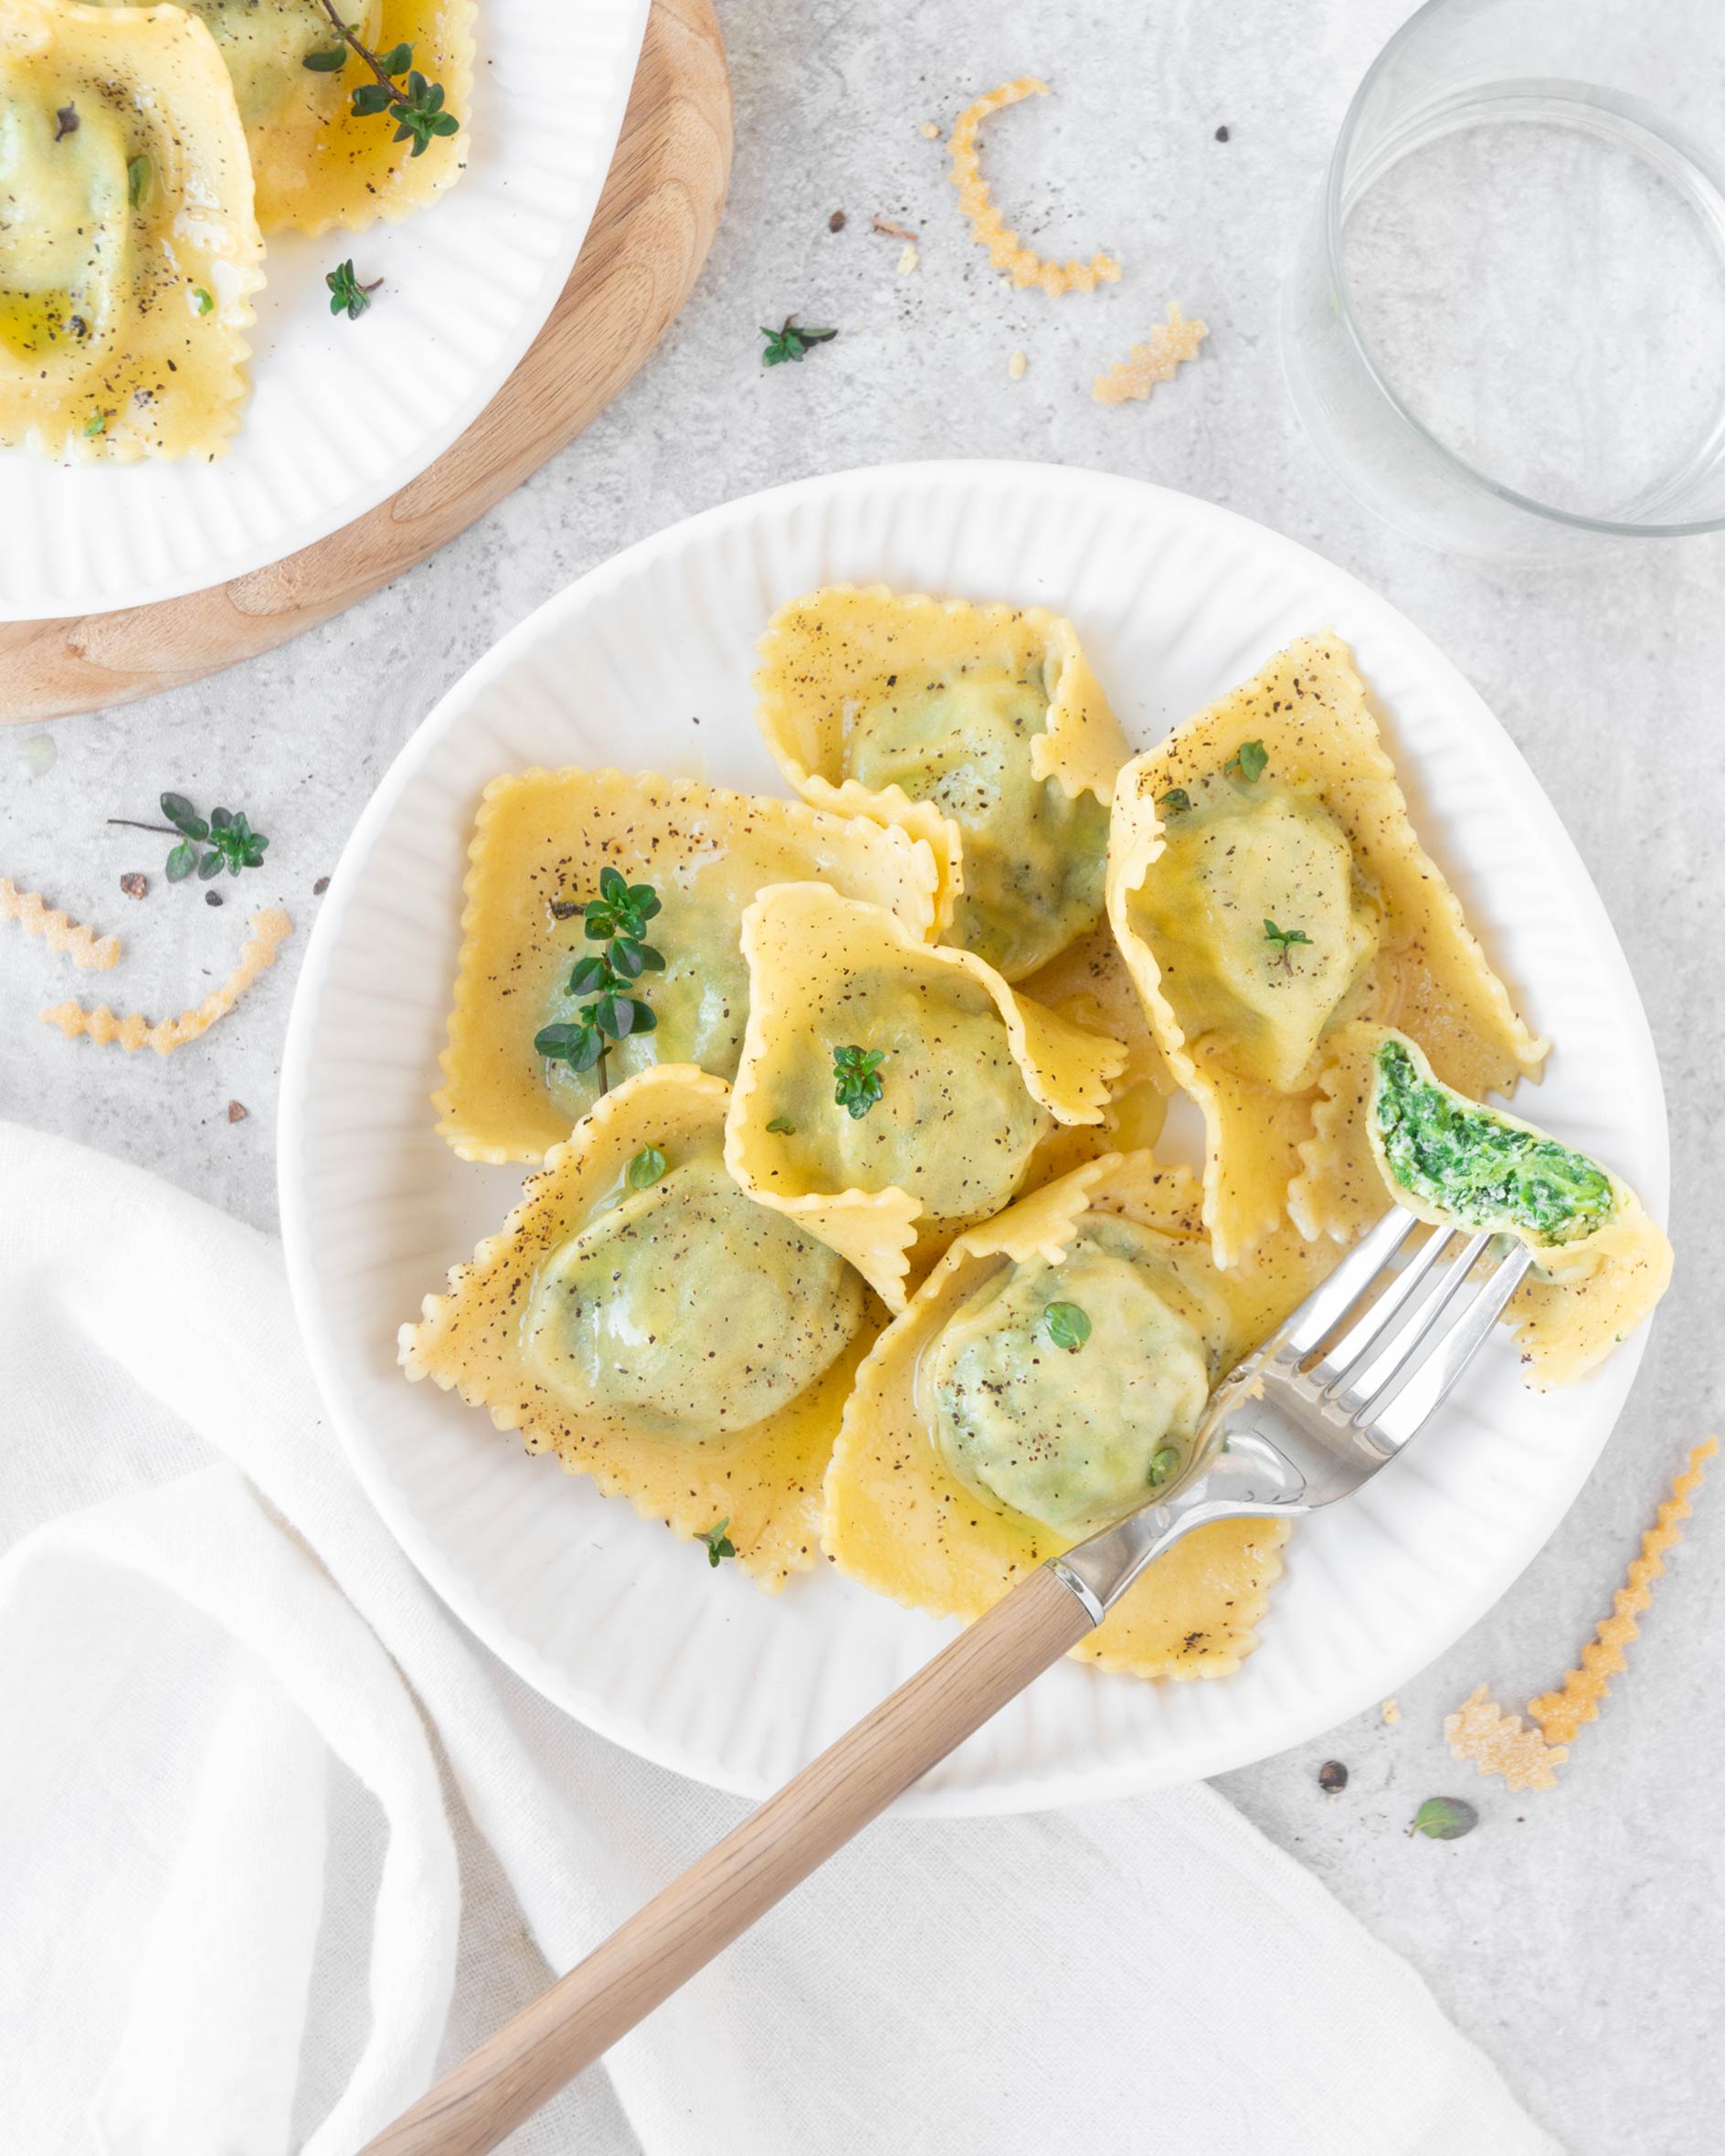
(639, 1315)
(1267, 888)
(892, 1092)
(981, 728)
(1385, 1126)
(129, 254)
(542, 843)
(1047, 1378)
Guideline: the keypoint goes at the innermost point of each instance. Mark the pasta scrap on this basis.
(1171, 344)
(1560, 1714)
(269, 930)
(989, 230)
(1496, 1743)
(65, 937)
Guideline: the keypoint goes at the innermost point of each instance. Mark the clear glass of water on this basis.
(1506, 323)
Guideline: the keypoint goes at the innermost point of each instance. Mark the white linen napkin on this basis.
(266, 1809)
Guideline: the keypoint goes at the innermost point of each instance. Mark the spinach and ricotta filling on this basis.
(1475, 1166)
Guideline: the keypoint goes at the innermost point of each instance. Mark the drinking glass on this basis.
(1505, 324)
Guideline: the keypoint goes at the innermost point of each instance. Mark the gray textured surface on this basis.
(1574, 1934)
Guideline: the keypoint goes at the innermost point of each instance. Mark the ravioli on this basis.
(1267, 888)
(981, 728)
(1067, 1390)
(967, 1080)
(1384, 1124)
(939, 1520)
(540, 841)
(129, 252)
(317, 165)
(641, 1317)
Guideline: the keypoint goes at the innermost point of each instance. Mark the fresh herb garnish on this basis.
(645, 1169)
(1249, 760)
(416, 108)
(857, 1083)
(347, 295)
(1445, 1819)
(1068, 1325)
(1284, 939)
(1176, 799)
(782, 1127)
(201, 300)
(790, 342)
(618, 917)
(1164, 1461)
(97, 423)
(719, 1544)
(233, 844)
(138, 177)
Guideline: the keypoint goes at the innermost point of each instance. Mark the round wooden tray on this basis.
(649, 235)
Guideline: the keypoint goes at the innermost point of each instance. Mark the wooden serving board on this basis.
(649, 235)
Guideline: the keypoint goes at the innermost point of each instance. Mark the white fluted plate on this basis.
(646, 662)
(344, 413)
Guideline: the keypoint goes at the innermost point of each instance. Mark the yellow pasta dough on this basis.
(317, 164)
(980, 728)
(1089, 985)
(66, 938)
(969, 1078)
(1266, 887)
(906, 1521)
(129, 252)
(1585, 1294)
(641, 1317)
(990, 228)
(267, 930)
(540, 841)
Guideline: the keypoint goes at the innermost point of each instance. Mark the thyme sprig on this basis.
(617, 918)
(347, 295)
(416, 108)
(791, 340)
(233, 844)
(1283, 939)
(857, 1085)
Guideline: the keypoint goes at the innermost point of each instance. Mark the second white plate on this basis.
(646, 663)
(344, 413)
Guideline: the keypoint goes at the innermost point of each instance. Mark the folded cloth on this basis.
(278, 1839)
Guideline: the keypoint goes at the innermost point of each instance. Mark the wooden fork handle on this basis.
(738, 1880)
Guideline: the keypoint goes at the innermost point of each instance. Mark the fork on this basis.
(1334, 1391)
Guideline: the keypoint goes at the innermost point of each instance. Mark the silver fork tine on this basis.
(1331, 1301)
(1430, 1374)
(1276, 1443)
(1363, 1392)
(1330, 1369)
